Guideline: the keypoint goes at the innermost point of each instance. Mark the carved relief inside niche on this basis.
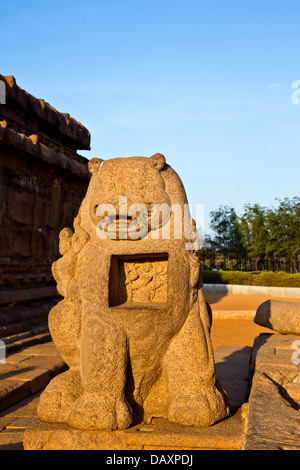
(138, 280)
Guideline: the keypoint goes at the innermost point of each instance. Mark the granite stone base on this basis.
(161, 435)
(273, 418)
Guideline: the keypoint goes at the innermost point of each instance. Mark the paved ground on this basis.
(27, 371)
(22, 378)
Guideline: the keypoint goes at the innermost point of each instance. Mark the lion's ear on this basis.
(94, 165)
(158, 161)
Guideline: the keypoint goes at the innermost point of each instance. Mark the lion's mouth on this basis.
(121, 226)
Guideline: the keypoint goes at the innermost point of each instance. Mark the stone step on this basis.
(25, 339)
(28, 371)
(15, 420)
(18, 319)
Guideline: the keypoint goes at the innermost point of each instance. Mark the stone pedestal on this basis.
(161, 435)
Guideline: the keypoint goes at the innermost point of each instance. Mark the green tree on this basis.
(256, 232)
(228, 239)
(269, 236)
(207, 253)
(284, 225)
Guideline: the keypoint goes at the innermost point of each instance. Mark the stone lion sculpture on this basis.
(133, 326)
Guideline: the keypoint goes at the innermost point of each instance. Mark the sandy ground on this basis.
(236, 302)
(236, 332)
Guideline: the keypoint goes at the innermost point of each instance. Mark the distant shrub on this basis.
(242, 278)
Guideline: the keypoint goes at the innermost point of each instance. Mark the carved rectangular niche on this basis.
(138, 280)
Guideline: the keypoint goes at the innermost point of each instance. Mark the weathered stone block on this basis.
(20, 206)
(273, 418)
(22, 242)
(39, 167)
(280, 316)
(52, 215)
(6, 241)
(39, 212)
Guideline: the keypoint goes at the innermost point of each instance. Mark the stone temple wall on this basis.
(42, 182)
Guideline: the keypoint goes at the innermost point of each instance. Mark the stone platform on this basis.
(232, 371)
(29, 368)
(268, 419)
(161, 435)
(275, 386)
(273, 418)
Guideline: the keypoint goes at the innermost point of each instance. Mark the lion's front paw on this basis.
(59, 395)
(93, 411)
(203, 409)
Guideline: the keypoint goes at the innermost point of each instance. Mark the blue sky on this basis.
(206, 83)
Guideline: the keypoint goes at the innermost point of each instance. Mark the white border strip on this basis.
(290, 292)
